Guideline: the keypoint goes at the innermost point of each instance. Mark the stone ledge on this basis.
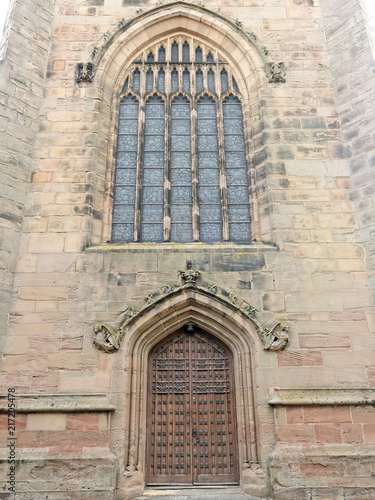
(41, 454)
(181, 247)
(334, 396)
(37, 403)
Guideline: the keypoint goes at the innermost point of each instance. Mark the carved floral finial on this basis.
(189, 276)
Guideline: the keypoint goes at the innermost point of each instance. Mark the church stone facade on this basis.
(133, 363)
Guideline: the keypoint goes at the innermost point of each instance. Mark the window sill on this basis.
(196, 247)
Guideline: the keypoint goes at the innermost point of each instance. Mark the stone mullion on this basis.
(223, 176)
(194, 167)
(167, 171)
(139, 180)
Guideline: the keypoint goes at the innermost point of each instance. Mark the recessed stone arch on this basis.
(180, 19)
(232, 329)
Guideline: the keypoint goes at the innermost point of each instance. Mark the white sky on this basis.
(3, 13)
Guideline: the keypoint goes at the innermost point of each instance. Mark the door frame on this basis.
(190, 326)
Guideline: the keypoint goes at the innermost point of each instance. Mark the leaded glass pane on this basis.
(122, 232)
(207, 143)
(185, 52)
(210, 213)
(235, 86)
(180, 127)
(211, 81)
(238, 213)
(181, 159)
(155, 108)
(210, 232)
(174, 52)
(152, 232)
(240, 233)
(234, 142)
(124, 194)
(128, 126)
(236, 176)
(208, 155)
(209, 176)
(155, 126)
(233, 159)
(186, 81)
(127, 142)
(137, 81)
(182, 213)
(180, 143)
(156, 159)
(125, 159)
(224, 81)
(210, 58)
(181, 178)
(129, 108)
(207, 126)
(235, 156)
(238, 194)
(125, 176)
(207, 159)
(153, 176)
(211, 193)
(198, 55)
(199, 82)
(152, 213)
(153, 188)
(233, 126)
(149, 80)
(206, 108)
(181, 233)
(150, 57)
(174, 81)
(232, 110)
(151, 194)
(180, 108)
(161, 81)
(162, 54)
(154, 142)
(123, 213)
(180, 194)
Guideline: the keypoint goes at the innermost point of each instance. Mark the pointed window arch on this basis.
(182, 167)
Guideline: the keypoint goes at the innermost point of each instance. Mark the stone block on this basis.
(45, 422)
(46, 243)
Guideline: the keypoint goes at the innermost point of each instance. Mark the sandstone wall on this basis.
(312, 148)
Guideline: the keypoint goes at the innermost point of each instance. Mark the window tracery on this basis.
(181, 166)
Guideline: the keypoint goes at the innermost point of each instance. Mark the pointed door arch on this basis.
(191, 414)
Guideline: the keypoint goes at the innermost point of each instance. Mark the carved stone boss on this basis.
(108, 338)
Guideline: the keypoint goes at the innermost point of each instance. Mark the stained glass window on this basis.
(181, 168)
(162, 54)
(198, 55)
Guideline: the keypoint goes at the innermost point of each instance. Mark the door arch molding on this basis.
(218, 320)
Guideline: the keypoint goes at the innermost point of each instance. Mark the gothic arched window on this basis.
(181, 167)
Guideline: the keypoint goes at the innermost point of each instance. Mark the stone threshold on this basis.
(201, 492)
(61, 403)
(321, 396)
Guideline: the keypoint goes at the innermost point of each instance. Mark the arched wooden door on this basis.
(191, 422)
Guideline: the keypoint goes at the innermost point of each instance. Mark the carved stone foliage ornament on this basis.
(84, 72)
(108, 338)
(276, 72)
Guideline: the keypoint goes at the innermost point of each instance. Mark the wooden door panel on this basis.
(191, 436)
